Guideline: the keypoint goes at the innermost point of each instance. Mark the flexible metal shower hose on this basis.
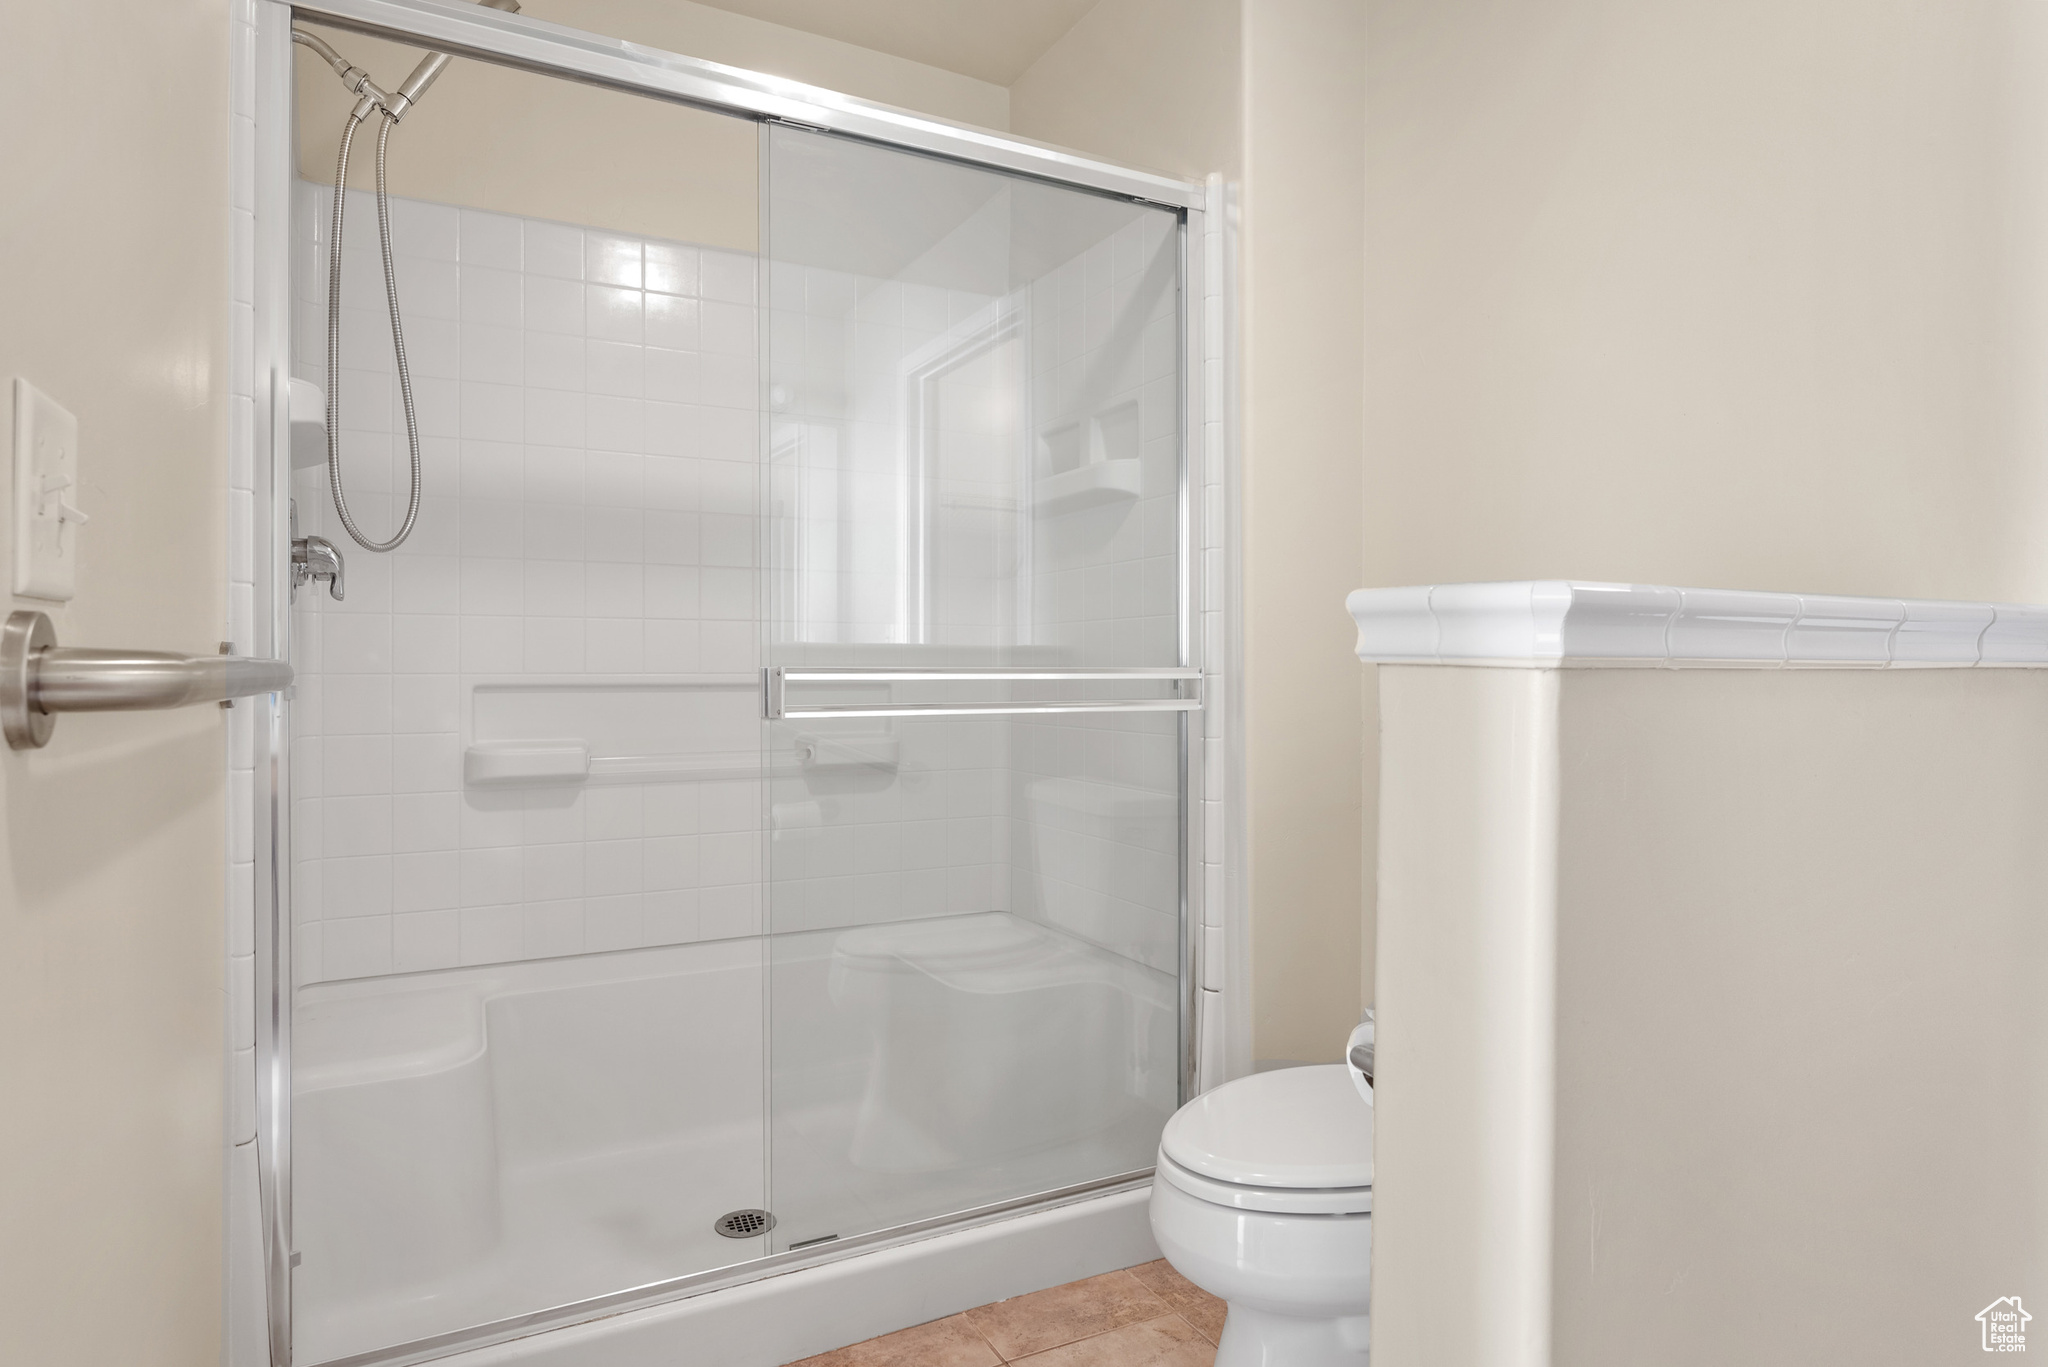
(412, 427)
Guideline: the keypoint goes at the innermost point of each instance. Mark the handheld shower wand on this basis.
(392, 106)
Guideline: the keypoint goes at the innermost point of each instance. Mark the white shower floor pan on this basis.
(782, 1318)
(485, 1143)
(480, 1144)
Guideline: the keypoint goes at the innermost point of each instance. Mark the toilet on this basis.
(1263, 1197)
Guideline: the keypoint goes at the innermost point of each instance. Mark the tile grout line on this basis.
(1168, 1310)
(1171, 1313)
(999, 1356)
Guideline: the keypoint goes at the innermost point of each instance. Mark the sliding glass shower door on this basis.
(594, 987)
(977, 684)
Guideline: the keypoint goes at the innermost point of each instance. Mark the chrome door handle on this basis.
(39, 678)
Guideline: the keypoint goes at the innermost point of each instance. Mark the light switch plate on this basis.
(46, 515)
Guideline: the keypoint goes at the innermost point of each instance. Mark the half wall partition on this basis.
(749, 821)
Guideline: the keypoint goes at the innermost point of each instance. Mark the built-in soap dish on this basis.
(1092, 468)
(1091, 486)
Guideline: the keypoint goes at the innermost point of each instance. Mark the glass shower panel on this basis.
(974, 433)
(977, 684)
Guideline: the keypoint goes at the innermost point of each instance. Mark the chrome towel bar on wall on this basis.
(39, 678)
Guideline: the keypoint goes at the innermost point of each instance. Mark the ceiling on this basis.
(990, 40)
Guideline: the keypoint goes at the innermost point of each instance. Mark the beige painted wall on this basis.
(1303, 430)
(1800, 1062)
(1802, 1055)
(1149, 83)
(495, 138)
(1715, 292)
(113, 285)
(739, 40)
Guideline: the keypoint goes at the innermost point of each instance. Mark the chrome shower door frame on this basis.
(548, 49)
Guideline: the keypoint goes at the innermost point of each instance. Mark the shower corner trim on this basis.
(261, 173)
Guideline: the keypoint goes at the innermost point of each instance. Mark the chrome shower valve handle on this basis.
(315, 558)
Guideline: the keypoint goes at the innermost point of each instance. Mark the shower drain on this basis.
(744, 1224)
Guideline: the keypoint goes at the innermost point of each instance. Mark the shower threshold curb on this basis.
(791, 1305)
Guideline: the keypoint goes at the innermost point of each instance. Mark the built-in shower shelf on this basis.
(1089, 486)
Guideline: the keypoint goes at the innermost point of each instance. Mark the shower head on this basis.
(429, 70)
(409, 90)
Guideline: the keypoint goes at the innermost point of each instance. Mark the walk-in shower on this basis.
(747, 818)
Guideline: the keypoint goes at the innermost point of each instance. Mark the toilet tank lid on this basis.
(1293, 1127)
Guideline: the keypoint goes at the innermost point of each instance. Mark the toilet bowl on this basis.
(1263, 1197)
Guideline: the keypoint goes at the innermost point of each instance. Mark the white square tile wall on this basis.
(588, 411)
(588, 418)
(855, 847)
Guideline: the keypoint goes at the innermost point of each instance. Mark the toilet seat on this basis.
(1267, 1200)
(1292, 1141)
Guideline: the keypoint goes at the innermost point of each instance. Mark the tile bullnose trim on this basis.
(1558, 623)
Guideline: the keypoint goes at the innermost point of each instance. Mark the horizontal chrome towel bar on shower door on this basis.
(39, 678)
(777, 678)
